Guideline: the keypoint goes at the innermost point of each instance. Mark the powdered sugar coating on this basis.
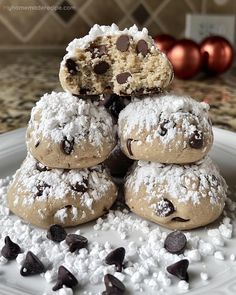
(100, 31)
(149, 113)
(59, 115)
(159, 179)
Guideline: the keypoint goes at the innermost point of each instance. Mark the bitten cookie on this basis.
(165, 129)
(43, 196)
(120, 62)
(176, 196)
(68, 132)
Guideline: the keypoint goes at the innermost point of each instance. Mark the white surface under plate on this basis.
(222, 274)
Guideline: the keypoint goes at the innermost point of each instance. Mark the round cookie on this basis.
(176, 196)
(165, 129)
(68, 132)
(110, 60)
(44, 197)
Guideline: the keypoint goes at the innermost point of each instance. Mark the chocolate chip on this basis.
(123, 77)
(56, 233)
(41, 168)
(116, 257)
(179, 269)
(196, 140)
(113, 285)
(122, 43)
(41, 186)
(179, 219)
(32, 265)
(97, 50)
(163, 129)
(142, 47)
(175, 242)
(128, 145)
(71, 66)
(10, 250)
(101, 67)
(164, 208)
(65, 277)
(84, 90)
(80, 187)
(76, 242)
(37, 144)
(67, 145)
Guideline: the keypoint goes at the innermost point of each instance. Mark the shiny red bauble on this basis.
(217, 54)
(165, 42)
(186, 59)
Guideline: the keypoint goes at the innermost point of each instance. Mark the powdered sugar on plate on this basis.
(177, 114)
(145, 262)
(60, 115)
(187, 183)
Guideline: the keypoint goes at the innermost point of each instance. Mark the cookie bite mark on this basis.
(142, 47)
(122, 43)
(196, 140)
(71, 66)
(67, 145)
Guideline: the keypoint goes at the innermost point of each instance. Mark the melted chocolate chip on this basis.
(97, 50)
(65, 277)
(71, 66)
(37, 144)
(123, 77)
(10, 250)
(179, 269)
(142, 47)
(41, 168)
(163, 129)
(67, 145)
(101, 68)
(122, 43)
(113, 285)
(116, 257)
(179, 219)
(56, 233)
(196, 140)
(76, 242)
(32, 265)
(128, 145)
(164, 208)
(41, 187)
(175, 242)
(81, 187)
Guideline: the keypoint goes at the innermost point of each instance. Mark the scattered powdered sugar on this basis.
(57, 183)
(101, 31)
(60, 115)
(187, 183)
(145, 262)
(167, 111)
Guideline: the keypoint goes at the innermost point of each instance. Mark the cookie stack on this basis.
(174, 182)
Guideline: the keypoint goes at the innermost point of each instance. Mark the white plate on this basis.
(222, 273)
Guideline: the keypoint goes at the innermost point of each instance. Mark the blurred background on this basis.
(34, 35)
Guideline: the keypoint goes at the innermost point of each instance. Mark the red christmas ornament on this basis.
(165, 42)
(217, 54)
(186, 58)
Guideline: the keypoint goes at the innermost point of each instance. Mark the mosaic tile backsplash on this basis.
(53, 23)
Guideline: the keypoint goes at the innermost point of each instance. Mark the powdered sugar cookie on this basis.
(121, 62)
(68, 132)
(165, 129)
(69, 197)
(176, 196)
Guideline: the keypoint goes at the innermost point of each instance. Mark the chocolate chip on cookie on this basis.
(41, 168)
(67, 145)
(81, 187)
(116, 257)
(65, 278)
(122, 43)
(128, 145)
(123, 77)
(196, 140)
(56, 233)
(10, 250)
(41, 186)
(97, 50)
(179, 269)
(76, 242)
(113, 285)
(142, 47)
(32, 265)
(37, 144)
(175, 242)
(164, 208)
(163, 129)
(101, 68)
(71, 66)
